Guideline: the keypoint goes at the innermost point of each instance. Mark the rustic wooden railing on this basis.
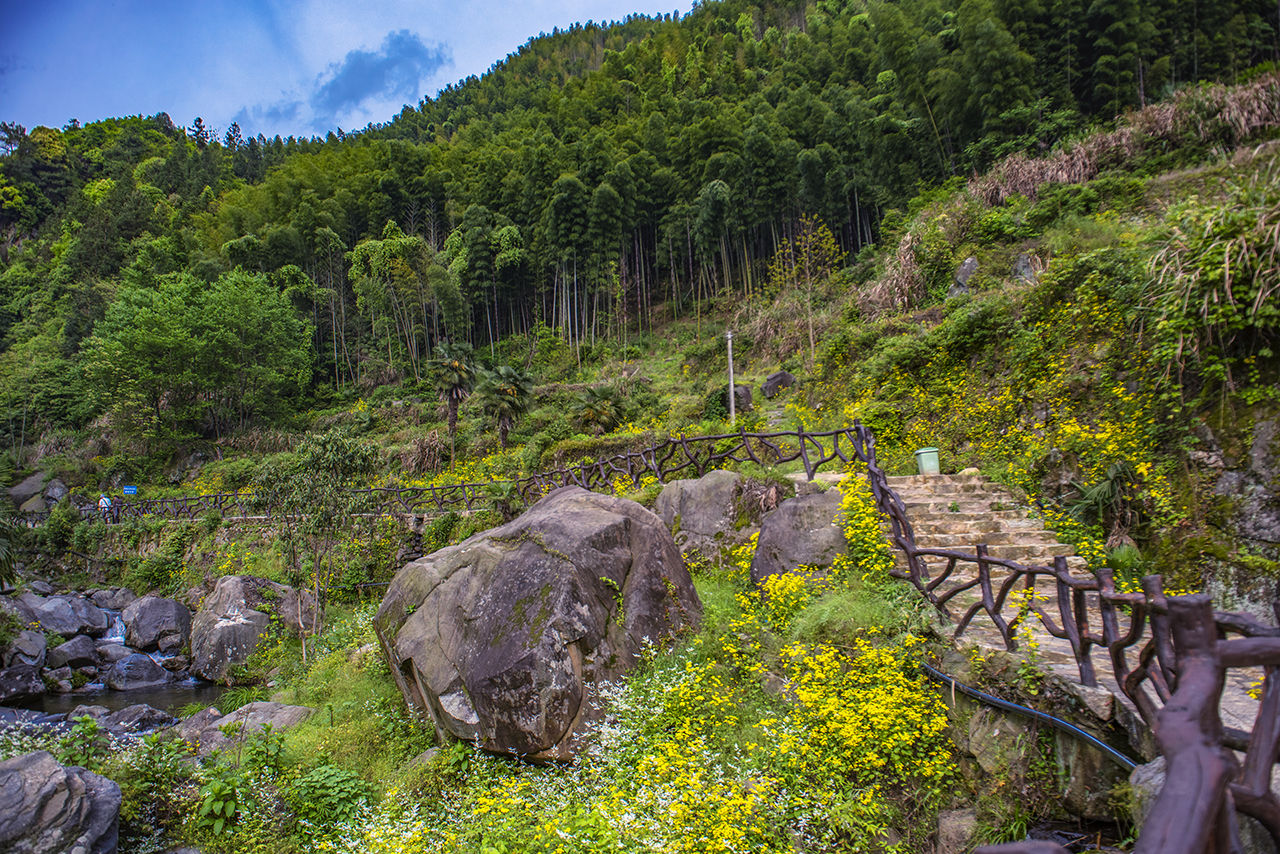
(1168, 654)
(677, 456)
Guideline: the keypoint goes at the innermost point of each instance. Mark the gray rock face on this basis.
(960, 282)
(34, 504)
(150, 620)
(29, 488)
(955, 831)
(20, 683)
(1088, 778)
(77, 652)
(205, 730)
(138, 718)
(110, 653)
(229, 626)
(777, 381)
(1024, 269)
(18, 608)
(1254, 486)
(54, 491)
(501, 638)
(28, 647)
(742, 398)
(133, 672)
(115, 598)
(701, 510)
(68, 615)
(48, 808)
(801, 532)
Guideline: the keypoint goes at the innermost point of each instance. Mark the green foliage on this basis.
(223, 801)
(168, 359)
(314, 489)
(1215, 293)
(11, 537)
(328, 796)
(165, 568)
(505, 394)
(10, 625)
(58, 529)
(598, 409)
(85, 744)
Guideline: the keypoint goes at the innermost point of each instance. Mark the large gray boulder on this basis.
(110, 653)
(20, 682)
(67, 615)
(48, 808)
(151, 622)
(80, 651)
(28, 489)
(27, 647)
(55, 490)
(135, 671)
(502, 638)
(208, 732)
(34, 504)
(137, 718)
(114, 598)
(701, 511)
(776, 382)
(802, 532)
(234, 618)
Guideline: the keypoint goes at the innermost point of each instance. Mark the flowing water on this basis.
(169, 698)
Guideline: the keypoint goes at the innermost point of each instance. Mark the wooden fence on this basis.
(1169, 654)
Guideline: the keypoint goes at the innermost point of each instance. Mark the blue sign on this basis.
(131, 490)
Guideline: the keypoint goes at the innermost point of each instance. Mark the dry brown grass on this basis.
(1229, 115)
(425, 454)
(902, 284)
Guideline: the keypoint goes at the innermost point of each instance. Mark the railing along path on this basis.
(1169, 655)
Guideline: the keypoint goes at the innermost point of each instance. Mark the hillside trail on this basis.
(959, 512)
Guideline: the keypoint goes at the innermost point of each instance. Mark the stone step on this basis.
(1041, 554)
(935, 506)
(972, 524)
(897, 482)
(968, 540)
(1075, 563)
(962, 491)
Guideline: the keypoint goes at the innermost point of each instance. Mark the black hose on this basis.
(1057, 723)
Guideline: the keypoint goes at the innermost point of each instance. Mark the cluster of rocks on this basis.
(116, 640)
(111, 638)
(505, 638)
(37, 493)
(48, 808)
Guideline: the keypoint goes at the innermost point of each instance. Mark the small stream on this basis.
(169, 698)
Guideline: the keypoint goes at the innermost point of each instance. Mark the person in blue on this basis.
(104, 507)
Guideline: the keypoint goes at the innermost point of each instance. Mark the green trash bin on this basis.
(927, 461)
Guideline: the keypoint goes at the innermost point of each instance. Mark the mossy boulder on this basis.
(504, 638)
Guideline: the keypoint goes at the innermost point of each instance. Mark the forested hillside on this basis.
(189, 282)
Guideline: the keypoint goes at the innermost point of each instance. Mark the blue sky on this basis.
(298, 68)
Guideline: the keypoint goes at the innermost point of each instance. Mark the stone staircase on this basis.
(958, 512)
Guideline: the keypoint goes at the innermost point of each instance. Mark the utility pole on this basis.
(728, 337)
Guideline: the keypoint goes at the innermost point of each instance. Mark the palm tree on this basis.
(454, 376)
(598, 409)
(504, 394)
